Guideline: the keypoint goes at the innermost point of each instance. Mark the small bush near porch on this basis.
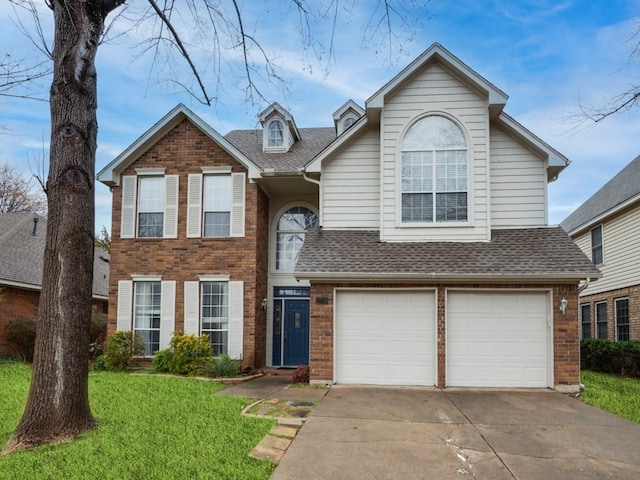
(150, 427)
(615, 394)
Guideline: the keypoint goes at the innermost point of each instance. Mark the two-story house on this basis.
(408, 244)
(607, 229)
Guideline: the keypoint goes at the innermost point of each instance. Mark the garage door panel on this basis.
(497, 339)
(385, 337)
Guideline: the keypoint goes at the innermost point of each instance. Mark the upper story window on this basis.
(434, 172)
(597, 250)
(276, 134)
(290, 236)
(217, 205)
(150, 207)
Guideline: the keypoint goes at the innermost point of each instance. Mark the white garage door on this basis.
(497, 339)
(385, 337)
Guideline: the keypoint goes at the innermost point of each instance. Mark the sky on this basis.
(552, 57)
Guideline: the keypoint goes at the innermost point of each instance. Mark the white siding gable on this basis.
(518, 183)
(351, 186)
(435, 90)
(621, 250)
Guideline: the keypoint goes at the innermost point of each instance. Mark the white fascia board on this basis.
(495, 95)
(598, 219)
(440, 277)
(347, 105)
(315, 165)
(110, 175)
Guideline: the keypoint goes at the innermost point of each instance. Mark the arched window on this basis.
(434, 172)
(290, 236)
(276, 134)
(348, 122)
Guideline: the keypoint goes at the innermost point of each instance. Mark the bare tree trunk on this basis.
(58, 404)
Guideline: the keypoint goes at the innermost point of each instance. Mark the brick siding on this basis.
(632, 293)
(566, 347)
(20, 302)
(182, 151)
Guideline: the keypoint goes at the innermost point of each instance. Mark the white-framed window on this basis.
(215, 315)
(216, 203)
(622, 319)
(146, 315)
(217, 206)
(585, 320)
(276, 134)
(146, 305)
(601, 320)
(597, 245)
(149, 206)
(434, 172)
(290, 233)
(214, 305)
(347, 122)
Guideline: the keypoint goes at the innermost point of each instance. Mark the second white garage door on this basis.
(497, 339)
(385, 337)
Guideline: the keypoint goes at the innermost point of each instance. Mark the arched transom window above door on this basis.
(434, 172)
(290, 233)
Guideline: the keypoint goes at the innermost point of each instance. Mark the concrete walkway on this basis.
(416, 433)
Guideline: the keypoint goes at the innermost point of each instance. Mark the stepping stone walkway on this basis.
(275, 443)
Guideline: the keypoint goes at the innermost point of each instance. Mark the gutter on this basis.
(433, 276)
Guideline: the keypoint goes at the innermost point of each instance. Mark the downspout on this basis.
(316, 182)
(583, 287)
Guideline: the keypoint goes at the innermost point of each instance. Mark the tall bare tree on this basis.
(19, 194)
(58, 406)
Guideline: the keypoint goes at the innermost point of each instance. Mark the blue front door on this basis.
(290, 332)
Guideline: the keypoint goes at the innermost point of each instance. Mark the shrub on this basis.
(100, 363)
(98, 331)
(600, 355)
(222, 367)
(186, 355)
(300, 374)
(120, 350)
(21, 334)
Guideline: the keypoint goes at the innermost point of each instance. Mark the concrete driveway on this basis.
(415, 433)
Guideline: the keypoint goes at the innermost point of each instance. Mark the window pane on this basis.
(276, 134)
(417, 207)
(288, 246)
(147, 315)
(215, 315)
(596, 245)
(622, 320)
(585, 320)
(151, 194)
(217, 224)
(451, 207)
(434, 133)
(150, 225)
(217, 193)
(601, 320)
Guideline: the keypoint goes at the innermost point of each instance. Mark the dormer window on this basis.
(276, 134)
(347, 122)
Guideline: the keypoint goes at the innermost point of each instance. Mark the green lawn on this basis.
(612, 393)
(149, 428)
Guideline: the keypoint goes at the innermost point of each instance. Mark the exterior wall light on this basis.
(563, 305)
(264, 303)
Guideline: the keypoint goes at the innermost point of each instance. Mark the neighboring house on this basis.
(607, 229)
(22, 242)
(407, 244)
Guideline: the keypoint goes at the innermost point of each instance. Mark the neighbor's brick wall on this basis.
(182, 151)
(20, 302)
(566, 342)
(632, 293)
(15, 303)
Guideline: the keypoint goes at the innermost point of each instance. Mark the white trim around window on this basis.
(160, 205)
(597, 245)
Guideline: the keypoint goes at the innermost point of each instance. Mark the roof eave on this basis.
(110, 175)
(445, 277)
(604, 216)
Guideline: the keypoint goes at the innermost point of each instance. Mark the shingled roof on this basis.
(624, 186)
(22, 251)
(534, 254)
(312, 141)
